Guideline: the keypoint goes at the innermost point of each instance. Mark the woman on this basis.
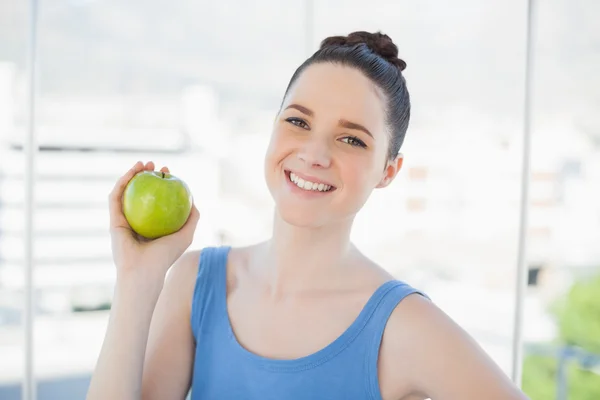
(304, 315)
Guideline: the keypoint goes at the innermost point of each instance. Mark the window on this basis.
(195, 86)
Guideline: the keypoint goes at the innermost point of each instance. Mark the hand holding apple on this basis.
(152, 205)
(156, 203)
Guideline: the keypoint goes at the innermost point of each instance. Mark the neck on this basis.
(298, 259)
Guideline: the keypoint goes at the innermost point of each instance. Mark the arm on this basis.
(440, 360)
(170, 351)
(141, 269)
(118, 372)
(148, 349)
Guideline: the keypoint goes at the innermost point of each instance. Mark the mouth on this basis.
(314, 186)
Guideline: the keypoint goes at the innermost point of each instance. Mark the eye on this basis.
(354, 141)
(300, 123)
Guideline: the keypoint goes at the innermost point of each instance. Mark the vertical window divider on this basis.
(29, 383)
(521, 276)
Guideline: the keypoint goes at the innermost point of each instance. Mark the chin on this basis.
(299, 217)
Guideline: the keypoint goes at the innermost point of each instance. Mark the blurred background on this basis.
(195, 85)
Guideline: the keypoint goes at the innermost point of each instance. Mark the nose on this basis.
(315, 153)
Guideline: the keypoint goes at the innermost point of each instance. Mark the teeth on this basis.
(306, 185)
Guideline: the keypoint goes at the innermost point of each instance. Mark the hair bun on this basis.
(378, 42)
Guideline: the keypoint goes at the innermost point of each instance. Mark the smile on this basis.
(308, 185)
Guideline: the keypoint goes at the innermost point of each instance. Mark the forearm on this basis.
(118, 373)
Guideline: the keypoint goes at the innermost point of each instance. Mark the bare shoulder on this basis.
(368, 272)
(437, 358)
(182, 275)
(240, 258)
(181, 278)
(185, 267)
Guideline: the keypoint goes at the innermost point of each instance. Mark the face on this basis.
(328, 149)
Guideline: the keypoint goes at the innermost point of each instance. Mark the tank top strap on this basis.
(388, 298)
(208, 287)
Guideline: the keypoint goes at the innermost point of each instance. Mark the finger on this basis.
(115, 205)
(165, 170)
(137, 167)
(149, 166)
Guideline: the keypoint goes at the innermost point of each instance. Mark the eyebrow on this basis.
(342, 122)
(352, 125)
(302, 109)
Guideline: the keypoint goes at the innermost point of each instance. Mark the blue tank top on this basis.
(225, 370)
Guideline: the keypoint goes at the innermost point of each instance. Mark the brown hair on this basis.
(376, 56)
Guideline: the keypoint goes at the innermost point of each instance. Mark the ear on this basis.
(391, 170)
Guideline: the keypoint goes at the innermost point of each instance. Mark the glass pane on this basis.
(14, 31)
(184, 86)
(449, 222)
(563, 310)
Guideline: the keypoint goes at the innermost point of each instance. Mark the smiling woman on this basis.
(304, 314)
(341, 139)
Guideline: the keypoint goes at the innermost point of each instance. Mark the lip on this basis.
(309, 178)
(306, 193)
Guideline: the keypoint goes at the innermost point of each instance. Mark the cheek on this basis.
(271, 157)
(277, 148)
(355, 189)
(360, 175)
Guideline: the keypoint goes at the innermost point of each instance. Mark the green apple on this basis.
(156, 203)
